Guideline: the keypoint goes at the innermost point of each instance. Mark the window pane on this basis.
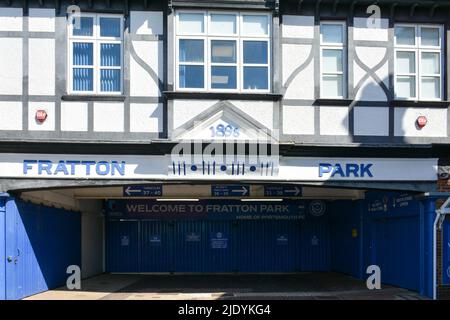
(191, 77)
(430, 37)
(223, 24)
(406, 62)
(110, 80)
(405, 36)
(332, 33)
(223, 51)
(431, 88)
(256, 78)
(406, 87)
(110, 55)
(86, 27)
(255, 52)
(430, 63)
(223, 78)
(191, 50)
(83, 79)
(332, 86)
(110, 27)
(332, 60)
(190, 23)
(83, 54)
(255, 25)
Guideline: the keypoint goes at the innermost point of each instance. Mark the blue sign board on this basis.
(219, 240)
(155, 240)
(230, 190)
(446, 253)
(154, 190)
(282, 191)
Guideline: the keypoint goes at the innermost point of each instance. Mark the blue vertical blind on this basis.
(83, 77)
(110, 57)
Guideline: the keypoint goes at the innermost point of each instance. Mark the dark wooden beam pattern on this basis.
(412, 10)
(335, 6)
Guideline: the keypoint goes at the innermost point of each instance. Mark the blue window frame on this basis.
(95, 51)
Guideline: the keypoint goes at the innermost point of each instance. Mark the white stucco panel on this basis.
(294, 55)
(370, 56)
(298, 119)
(186, 110)
(371, 91)
(302, 85)
(146, 117)
(41, 66)
(41, 20)
(405, 122)
(261, 111)
(74, 116)
(334, 121)
(146, 22)
(11, 19)
(141, 82)
(11, 76)
(298, 27)
(12, 111)
(49, 123)
(108, 117)
(371, 121)
(363, 30)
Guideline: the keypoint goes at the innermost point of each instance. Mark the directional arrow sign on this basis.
(154, 190)
(282, 191)
(230, 190)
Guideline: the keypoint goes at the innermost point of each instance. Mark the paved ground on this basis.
(303, 286)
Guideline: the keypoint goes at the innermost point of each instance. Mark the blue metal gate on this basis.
(40, 243)
(291, 241)
(122, 249)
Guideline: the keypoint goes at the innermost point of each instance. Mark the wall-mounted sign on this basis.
(154, 190)
(230, 190)
(219, 240)
(164, 168)
(282, 191)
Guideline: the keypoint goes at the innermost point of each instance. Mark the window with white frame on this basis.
(95, 54)
(333, 57)
(418, 62)
(222, 51)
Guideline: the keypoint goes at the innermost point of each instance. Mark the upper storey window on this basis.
(418, 62)
(222, 51)
(95, 54)
(333, 57)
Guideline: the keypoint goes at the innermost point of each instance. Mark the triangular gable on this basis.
(236, 125)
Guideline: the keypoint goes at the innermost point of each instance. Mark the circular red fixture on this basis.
(41, 115)
(422, 121)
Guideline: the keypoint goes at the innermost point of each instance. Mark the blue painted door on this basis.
(219, 250)
(2, 249)
(266, 246)
(397, 251)
(157, 254)
(41, 243)
(122, 246)
(190, 246)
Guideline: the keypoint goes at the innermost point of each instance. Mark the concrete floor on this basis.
(303, 286)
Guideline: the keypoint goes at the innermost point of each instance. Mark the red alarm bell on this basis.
(422, 121)
(41, 115)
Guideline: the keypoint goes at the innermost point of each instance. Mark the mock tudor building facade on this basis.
(349, 97)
